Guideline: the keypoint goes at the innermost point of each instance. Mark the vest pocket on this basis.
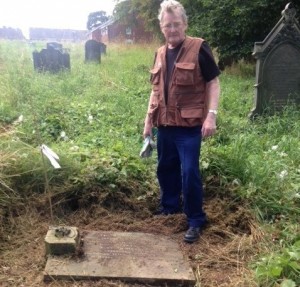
(155, 76)
(190, 116)
(192, 113)
(184, 74)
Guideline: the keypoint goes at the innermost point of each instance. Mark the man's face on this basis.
(173, 28)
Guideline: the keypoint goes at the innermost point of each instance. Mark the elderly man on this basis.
(183, 106)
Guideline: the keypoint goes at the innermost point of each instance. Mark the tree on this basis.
(95, 19)
(126, 12)
(233, 26)
(148, 11)
(129, 10)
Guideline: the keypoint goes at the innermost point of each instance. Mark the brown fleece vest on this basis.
(186, 90)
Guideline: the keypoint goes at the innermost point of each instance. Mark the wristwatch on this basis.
(213, 111)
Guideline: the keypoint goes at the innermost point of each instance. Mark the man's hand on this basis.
(209, 126)
(147, 128)
(213, 92)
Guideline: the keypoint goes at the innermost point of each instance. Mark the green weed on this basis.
(276, 266)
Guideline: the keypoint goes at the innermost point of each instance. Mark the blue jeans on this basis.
(178, 173)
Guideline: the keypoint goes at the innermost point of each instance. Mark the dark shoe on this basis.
(192, 234)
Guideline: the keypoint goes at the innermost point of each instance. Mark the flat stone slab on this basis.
(126, 256)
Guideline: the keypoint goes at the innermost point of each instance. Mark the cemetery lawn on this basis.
(92, 117)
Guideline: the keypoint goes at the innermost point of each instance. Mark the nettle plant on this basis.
(276, 267)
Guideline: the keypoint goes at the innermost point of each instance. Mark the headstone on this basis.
(278, 66)
(131, 257)
(103, 48)
(52, 59)
(93, 51)
(55, 45)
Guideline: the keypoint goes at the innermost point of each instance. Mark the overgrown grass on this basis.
(93, 118)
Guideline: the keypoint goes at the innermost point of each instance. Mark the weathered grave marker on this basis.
(93, 51)
(278, 66)
(103, 48)
(55, 45)
(52, 59)
(126, 256)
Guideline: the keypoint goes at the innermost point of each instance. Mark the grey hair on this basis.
(170, 6)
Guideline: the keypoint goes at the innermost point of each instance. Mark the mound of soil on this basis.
(219, 258)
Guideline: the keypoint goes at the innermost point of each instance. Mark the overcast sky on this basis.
(68, 14)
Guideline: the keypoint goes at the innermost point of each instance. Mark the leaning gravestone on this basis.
(93, 51)
(278, 66)
(52, 59)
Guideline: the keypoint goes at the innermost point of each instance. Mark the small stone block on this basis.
(61, 240)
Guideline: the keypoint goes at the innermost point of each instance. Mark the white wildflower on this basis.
(274, 147)
(205, 165)
(63, 136)
(74, 148)
(283, 174)
(236, 182)
(283, 154)
(18, 120)
(90, 118)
